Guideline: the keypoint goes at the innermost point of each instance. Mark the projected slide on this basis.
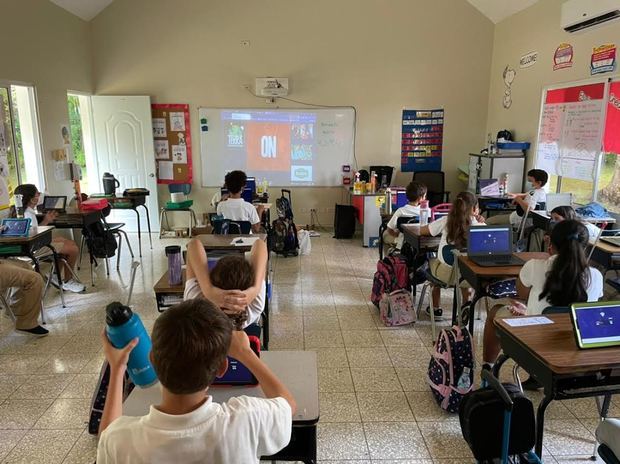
(287, 147)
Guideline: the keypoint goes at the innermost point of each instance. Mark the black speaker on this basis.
(344, 221)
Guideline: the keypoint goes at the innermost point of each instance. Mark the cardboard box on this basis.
(202, 230)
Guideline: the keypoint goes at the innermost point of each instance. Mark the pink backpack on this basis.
(392, 274)
(396, 308)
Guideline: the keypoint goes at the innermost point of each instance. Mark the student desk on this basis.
(485, 200)
(74, 218)
(549, 352)
(38, 237)
(540, 219)
(296, 369)
(607, 255)
(420, 243)
(479, 277)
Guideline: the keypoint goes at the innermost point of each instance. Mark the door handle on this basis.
(151, 175)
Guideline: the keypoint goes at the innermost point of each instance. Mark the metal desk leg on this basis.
(58, 274)
(148, 225)
(139, 232)
(540, 422)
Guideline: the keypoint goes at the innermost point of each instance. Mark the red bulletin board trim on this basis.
(575, 94)
(188, 139)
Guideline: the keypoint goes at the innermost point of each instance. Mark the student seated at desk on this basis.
(235, 285)
(539, 238)
(236, 208)
(63, 246)
(560, 280)
(535, 195)
(415, 192)
(190, 344)
(454, 229)
(26, 291)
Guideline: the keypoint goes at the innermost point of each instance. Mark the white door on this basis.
(124, 146)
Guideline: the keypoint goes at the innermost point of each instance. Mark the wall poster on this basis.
(173, 143)
(422, 140)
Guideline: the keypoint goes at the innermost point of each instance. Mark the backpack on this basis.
(283, 237)
(283, 207)
(396, 308)
(101, 242)
(101, 392)
(392, 274)
(451, 369)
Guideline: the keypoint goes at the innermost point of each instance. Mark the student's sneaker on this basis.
(37, 331)
(73, 286)
(438, 313)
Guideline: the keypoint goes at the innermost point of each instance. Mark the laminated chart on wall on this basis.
(173, 143)
(571, 128)
(422, 140)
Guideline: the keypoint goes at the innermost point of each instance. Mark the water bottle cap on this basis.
(173, 250)
(117, 314)
(424, 203)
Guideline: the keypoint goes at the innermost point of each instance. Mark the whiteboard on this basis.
(571, 130)
(287, 147)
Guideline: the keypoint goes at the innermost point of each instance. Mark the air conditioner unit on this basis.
(271, 86)
(582, 14)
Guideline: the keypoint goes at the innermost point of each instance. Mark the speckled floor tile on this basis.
(65, 414)
(81, 386)
(395, 440)
(404, 356)
(22, 414)
(406, 336)
(445, 440)
(585, 408)
(413, 379)
(361, 321)
(9, 383)
(43, 446)
(339, 407)
(335, 379)
(375, 380)
(555, 410)
(567, 438)
(426, 409)
(8, 440)
(369, 357)
(42, 386)
(583, 459)
(330, 357)
(94, 364)
(318, 322)
(379, 407)
(361, 338)
(341, 441)
(64, 364)
(21, 364)
(81, 344)
(84, 450)
(322, 339)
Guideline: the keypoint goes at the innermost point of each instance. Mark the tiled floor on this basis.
(375, 404)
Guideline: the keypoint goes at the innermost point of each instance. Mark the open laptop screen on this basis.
(51, 202)
(492, 240)
(597, 325)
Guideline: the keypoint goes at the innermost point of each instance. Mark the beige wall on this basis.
(45, 46)
(379, 56)
(537, 29)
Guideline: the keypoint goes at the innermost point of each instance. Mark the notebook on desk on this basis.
(615, 241)
(596, 325)
(491, 246)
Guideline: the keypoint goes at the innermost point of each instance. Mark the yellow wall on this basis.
(48, 47)
(379, 56)
(537, 29)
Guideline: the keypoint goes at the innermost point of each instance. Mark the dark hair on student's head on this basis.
(415, 191)
(459, 219)
(539, 175)
(28, 192)
(232, 273)
(569, 277)
(190, 343)
(566, 212)
(235, 181)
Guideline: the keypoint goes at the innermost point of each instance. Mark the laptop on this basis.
(596, 325)
(54, 203)
(488, 187)
(558, 199)
(615, 241)
(15, 227)
(491, 246)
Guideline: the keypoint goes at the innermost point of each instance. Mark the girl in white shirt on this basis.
(560, 280)
(65, 247)
(454, 229)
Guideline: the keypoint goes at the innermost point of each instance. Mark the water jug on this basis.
(173, 253)
(123, 325)
(110, 184)
(425, 212)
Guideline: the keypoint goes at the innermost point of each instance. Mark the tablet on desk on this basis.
(15, 227)
(596, 325)
(237, 373)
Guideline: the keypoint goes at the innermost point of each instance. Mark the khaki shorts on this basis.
(442, 271)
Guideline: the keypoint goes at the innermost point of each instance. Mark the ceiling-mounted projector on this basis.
(271, 86)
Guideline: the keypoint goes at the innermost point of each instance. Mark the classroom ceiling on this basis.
(85, 9)
(495, 10)
(498, 10)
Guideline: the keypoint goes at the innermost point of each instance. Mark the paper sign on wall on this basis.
(165, 170)
(159, 127)
(603, 59)
(528, 60)
(177, 121)
(563, 57)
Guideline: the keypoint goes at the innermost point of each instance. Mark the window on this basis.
(19, 138)
(81, 140)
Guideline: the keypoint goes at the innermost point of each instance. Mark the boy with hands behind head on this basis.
(190, 344)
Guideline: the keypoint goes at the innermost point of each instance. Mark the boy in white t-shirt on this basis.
(560, 280)
(535, 195)
(415, 192)
(190, 345)
(236, 208)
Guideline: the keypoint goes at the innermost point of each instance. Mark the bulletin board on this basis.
(571, 129)
(422, 140)
(173, 143)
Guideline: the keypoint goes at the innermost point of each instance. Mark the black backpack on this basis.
(283, 205)
(283, 237)
(100, 241)
(101, 392)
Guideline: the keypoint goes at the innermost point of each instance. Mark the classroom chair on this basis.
(399, 222)
(435, 184)
(223, 226)
(5, 297)
(163, 214)
(608, 434)
(442, 209)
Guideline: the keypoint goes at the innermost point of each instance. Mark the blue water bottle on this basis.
(123, 326)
